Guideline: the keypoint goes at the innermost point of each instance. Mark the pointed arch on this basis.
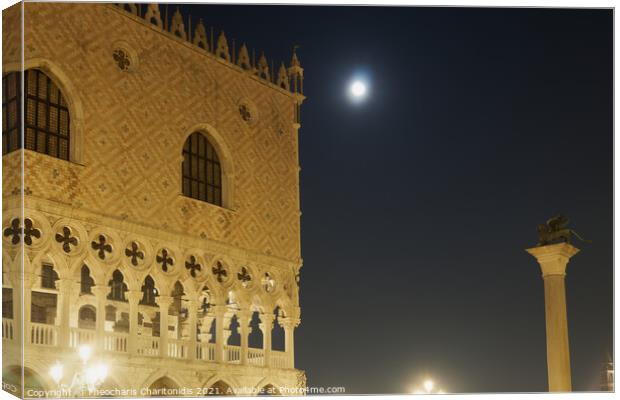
(269, 382)
(71, 97)
(227, 381)
(277, 333)
(87, 317)
(149, 292)
(202, 171)
(162, 373)
(118, 286)
(224, 156)
(86, 280)
(32, 379)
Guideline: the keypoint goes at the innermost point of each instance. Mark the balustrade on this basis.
(115, 341)
(256, 357)
(47, 335)
(79, 337)
(205, 351)
(232, 354)
(7, 329)
(279, 359)
(43, 334)
(148, 346)
(177, 348)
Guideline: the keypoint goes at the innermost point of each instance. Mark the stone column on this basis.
(192, 310)
(243, 317)
(266, 325)
(289, 324)
(133, 297)
(553, 259)
(65, 289)
(20, 318)
(219, 312)
(100, 292)
(164, 303)
(28, 283)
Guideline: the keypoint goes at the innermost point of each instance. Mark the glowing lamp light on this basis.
(101, 371)
(85, 351)
(429, 385)
(91, 375)
(56, 372)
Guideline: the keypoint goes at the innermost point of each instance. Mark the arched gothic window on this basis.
(117, 287)
(176, 308)
(87, 317)
(48, 277)
(149, 292)
(202, 173)
(86, 281)
(46, 115)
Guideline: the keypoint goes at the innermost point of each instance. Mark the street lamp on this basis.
(428, 387)
(85, 352)
(86, 379)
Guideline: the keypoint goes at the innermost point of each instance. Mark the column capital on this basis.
(553, 258)
(26, 279)
(164, 301)
(244, 315)
(134, 295)
(64, 285)
(289, 322)
(267, 317)
(100, 290)
(192, 298)
(219, 310)
(266, 322)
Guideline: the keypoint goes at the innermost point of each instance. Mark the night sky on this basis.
(419, 202)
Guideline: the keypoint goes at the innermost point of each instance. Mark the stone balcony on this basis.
(46, 335)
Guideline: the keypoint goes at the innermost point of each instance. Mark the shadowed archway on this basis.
(12, 381)
(220, 388)
(269, 390)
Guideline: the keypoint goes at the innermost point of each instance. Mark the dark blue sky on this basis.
(418, 204)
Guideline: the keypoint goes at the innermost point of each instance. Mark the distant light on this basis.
(358, 89)
(56, 372)
(429, 385)
(85, 352)
(101, 371)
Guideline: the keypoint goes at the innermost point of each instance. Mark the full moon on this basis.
(358, 89)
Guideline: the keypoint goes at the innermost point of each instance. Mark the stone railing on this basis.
(117, 342)
(205, 351)
(256, 357)
(7, 329)
(148, 346)
(178, 348)
(43, 334)
(78, 337)
(279, 359)
(232, 354)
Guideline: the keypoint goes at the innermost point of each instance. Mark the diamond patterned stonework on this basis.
(110, 232)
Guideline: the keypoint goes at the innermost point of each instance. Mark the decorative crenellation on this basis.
(289, 79)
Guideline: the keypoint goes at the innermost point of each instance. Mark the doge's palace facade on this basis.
(157, 218)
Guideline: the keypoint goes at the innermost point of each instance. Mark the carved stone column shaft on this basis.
(553, 260)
